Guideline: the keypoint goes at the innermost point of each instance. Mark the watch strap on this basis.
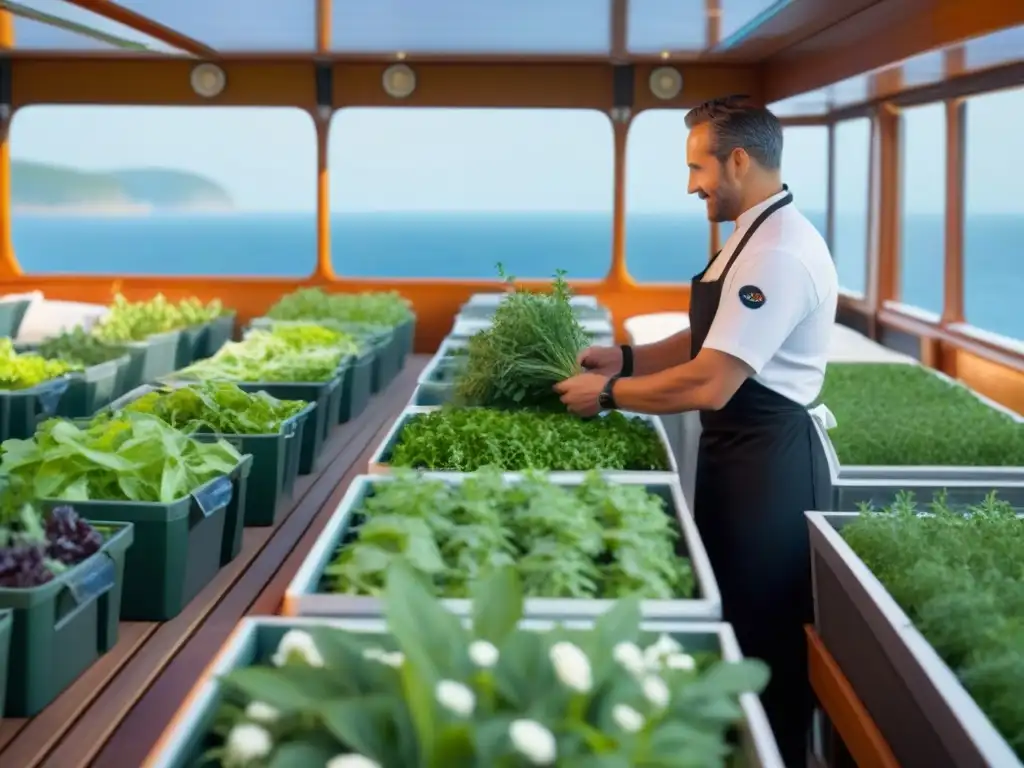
(607, 398)
(627, 360)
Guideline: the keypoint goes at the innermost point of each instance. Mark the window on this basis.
(805, 171)
(994, 213)
(452, 192)
(923, 197)
(164, 190)
(667, 233)
(850, 240)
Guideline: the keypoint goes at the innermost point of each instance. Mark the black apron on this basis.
(760, 466)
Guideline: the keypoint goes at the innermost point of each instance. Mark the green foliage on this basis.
(385, 308)
(306, 352)
(133, 457)
(595, 540)
(138, 320)
(79, 348)
(531, 345)
(28, 370)
(890, 414)
(218, 407)
(433, 693)
(466, 439)
(959, 575)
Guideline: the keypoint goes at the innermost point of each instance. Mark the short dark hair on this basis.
(736, 124)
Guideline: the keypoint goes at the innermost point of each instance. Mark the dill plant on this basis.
(531, 346)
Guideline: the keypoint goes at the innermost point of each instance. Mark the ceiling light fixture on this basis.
(208, 80)
(666, 83)
(399, 81)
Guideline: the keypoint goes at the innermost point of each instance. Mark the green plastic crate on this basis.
(357, 386)
(90, 390)
(11, 315)
(191, 342)
(406, 333)
(151, 359)
(177, 549)
(6, 628)
(327, 397)
(62, 627)
(385, 363)
(221, 331)
(21, 410)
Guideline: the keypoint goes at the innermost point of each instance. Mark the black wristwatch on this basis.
(627, 360)
(607, 399)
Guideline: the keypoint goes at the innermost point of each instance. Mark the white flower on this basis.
(627, 718)
(656, 691)
(351, 761)
(297, 644)
(455, 697)
(572, 666)
(392, 659)
(372, 654)
(533, 741)
(630, 657)
(247, 743)
(261, 712)
(681, 661)
(483, 653)
(655, 653)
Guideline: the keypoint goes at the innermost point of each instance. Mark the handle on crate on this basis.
(87, 582)
(213, 496)
(50, 393)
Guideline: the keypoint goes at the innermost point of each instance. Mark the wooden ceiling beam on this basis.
(147, 26)
(880, 35)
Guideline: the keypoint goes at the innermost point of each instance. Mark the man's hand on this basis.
(580, 393)
(604, 361)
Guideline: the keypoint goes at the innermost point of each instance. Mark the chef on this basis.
(752, 361)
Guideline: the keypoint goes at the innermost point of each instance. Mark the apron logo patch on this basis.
(751, 296)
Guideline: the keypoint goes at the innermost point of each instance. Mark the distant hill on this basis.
(41, 186)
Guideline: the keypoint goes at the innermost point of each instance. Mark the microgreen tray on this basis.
(62, 627)
(853, 483)
(89, 390)
(921, 708)
(254, 640)
(357, 386)
(21, 410)
(304, 596)
(379, 460)
(464, 327)
(150, 360)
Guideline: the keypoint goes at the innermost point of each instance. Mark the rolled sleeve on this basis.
(763, 299)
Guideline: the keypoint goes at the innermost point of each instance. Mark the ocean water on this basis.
(660, 248)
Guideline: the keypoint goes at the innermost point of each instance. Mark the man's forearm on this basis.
(661, 355)
(681, 388)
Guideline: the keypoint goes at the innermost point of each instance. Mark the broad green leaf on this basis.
(734, 678)
(301, 755)
(362, 723)
(277, 687)
(497, 604)
(454, 747)
(419, 697)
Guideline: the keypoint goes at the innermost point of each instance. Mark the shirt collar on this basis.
(746, 218)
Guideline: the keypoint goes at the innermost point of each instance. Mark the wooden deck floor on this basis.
(114, 713)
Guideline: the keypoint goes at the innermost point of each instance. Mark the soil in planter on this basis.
(957, 575)
(891, 414)
(596, 540)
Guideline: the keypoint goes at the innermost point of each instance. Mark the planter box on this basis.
(12, 312)
(465, 327)
(379, 461)
(89, 390)
(219, 332)
(406, 336)
(254, 640)
(21, 410)
(6, 628)
(177, 546)
(920, 707)
(191, 342)
(275, 459)
(59, 629)
(149, 360)
(304, 598)
(357, 387)
(854, 483)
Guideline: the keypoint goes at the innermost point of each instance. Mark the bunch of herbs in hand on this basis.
(531, 346)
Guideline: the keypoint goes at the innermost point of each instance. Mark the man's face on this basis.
(713, 181)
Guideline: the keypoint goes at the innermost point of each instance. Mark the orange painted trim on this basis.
(147, 26)
(844, 709)
(323, 25)
(8, 262)
(324, 263)
(956, 168)
(618, 272)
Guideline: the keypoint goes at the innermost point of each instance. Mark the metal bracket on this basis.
(324, 91)
(6, 99)
(623, 92)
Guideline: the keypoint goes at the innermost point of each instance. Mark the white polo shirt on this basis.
(778, 301)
